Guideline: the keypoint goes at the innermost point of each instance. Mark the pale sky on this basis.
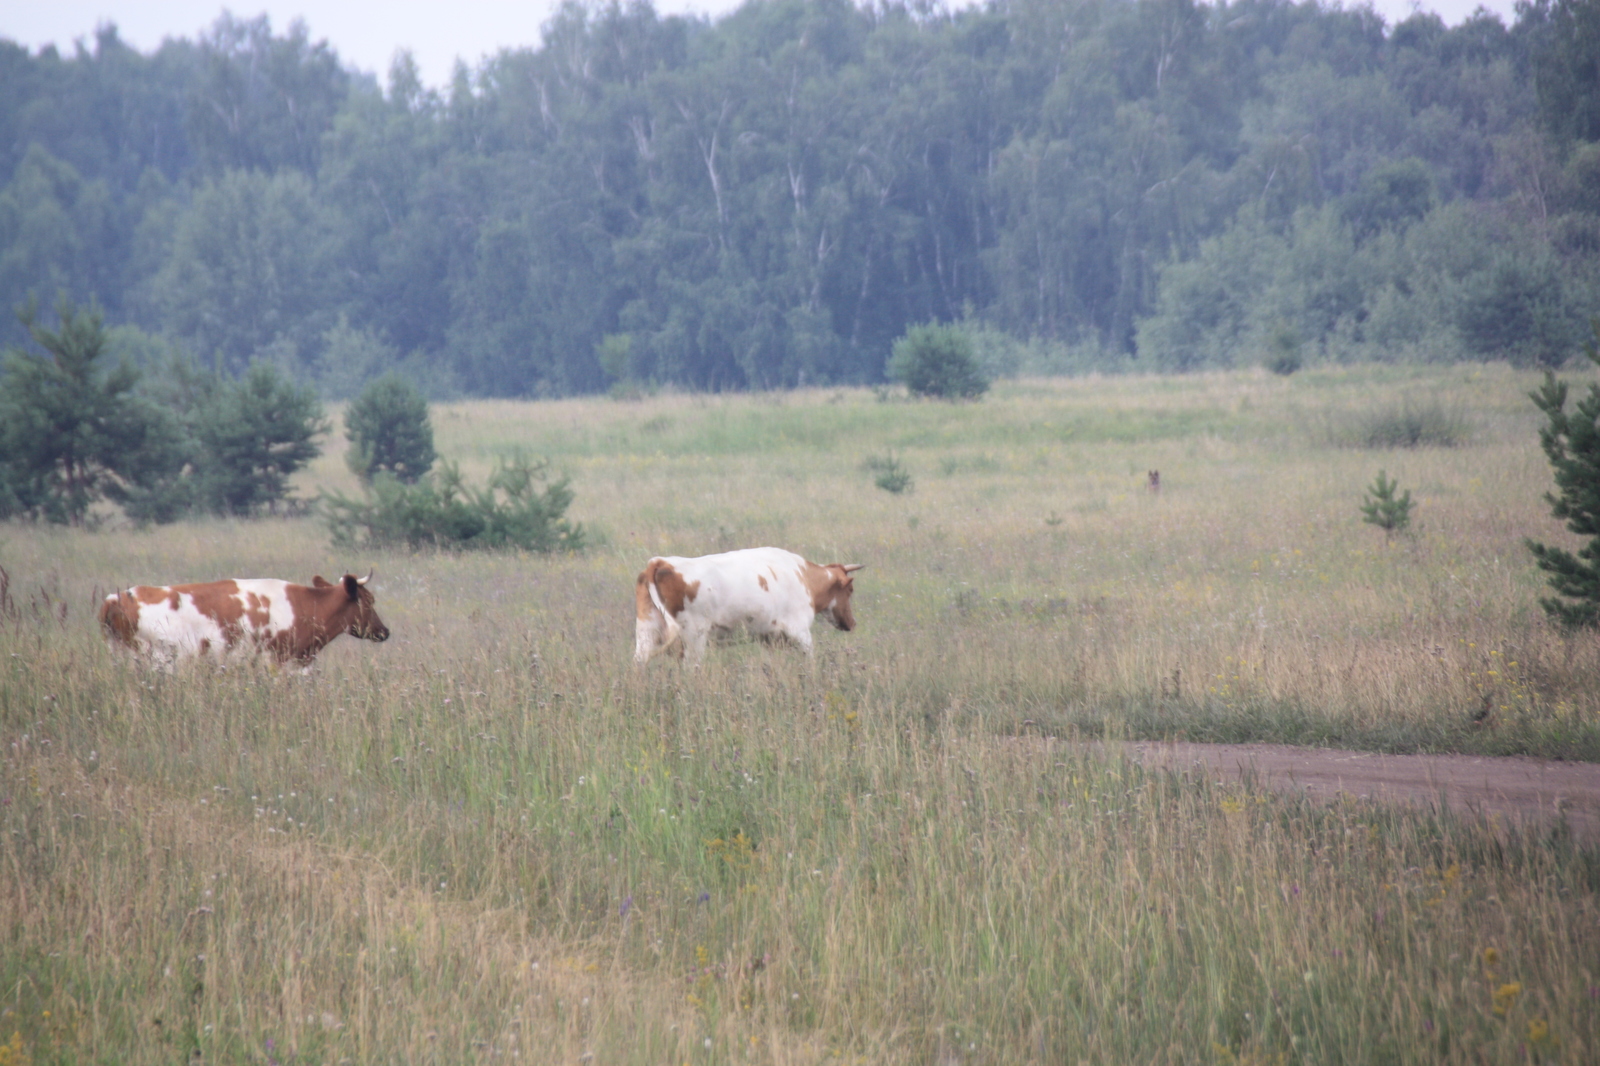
(367, 33)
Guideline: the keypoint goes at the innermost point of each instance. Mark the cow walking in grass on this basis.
(681, 603)
(241, 617)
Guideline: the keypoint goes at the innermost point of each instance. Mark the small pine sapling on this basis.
(890, 475)
(1383, 509)
(1572, 442)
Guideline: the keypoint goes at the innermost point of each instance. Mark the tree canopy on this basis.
(772, 199)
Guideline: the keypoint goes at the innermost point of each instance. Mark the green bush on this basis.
(1283, 351)
(938, 361)
(1409, 424)
(889, 474)
(1517, 308)
(389, 431)
(1382, 508)
(442, 511)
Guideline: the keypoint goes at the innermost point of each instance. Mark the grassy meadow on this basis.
(491, 840)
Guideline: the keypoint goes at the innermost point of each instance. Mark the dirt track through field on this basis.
(1515, 790)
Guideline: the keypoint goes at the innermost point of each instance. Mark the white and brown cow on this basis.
(246, 616)
(680, 604)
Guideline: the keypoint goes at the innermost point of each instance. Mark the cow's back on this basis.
(759, 589)
(211, 618)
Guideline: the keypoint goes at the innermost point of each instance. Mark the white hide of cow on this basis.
(770, 593)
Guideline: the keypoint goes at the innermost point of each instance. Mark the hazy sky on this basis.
(367, 33)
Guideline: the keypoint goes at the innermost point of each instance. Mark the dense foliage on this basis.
(75, 430)
(520, 507)
(389, 431)
(772, 199)
(938, 361)
(72, 429)
(252, 435)
(1572, 442)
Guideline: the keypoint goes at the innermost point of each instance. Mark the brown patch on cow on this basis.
(119, 617)
(258, 609)
(819, 583)
(218, 601)
(670, 586)
(763, 583)
(322, 611)
(643, 607)
(173, 599)
(830, 588)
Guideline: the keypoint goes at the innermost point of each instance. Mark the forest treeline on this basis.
(771, 199)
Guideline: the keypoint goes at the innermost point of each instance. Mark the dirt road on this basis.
(1515, 789)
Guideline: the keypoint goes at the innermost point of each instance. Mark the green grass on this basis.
(491, 840)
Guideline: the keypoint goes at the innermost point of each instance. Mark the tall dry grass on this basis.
(489, 840)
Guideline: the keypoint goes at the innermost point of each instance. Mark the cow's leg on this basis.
(646, 640)
(694, 639)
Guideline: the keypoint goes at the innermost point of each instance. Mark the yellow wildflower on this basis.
(1505, 997)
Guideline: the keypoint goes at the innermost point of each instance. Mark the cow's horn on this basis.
(851, 568)
(364, 580)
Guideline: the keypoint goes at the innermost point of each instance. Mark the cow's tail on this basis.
(115, 621)
(669, 630)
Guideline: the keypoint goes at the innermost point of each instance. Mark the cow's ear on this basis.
(352, 586)
(320, 582)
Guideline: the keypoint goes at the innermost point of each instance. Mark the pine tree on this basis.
(1384, 509)
(74, 431)
(389, 431)
(1573, 444)
(253, 435)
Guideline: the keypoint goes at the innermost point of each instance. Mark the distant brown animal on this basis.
(1153, 482)
(218, 619)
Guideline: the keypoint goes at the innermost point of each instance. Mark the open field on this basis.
(489, 840)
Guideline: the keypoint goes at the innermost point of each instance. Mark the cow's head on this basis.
(834, 602)
(357, 616)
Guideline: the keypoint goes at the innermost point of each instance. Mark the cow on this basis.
(240, 617)
(768, 592)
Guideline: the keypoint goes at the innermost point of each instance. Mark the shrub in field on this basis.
(441, 510)
(890, 474)
(1408, 425)
(938, 361)
(1383, 509)
(1283, 351)
(389, 431)
(1572, 443)
(73, 431)
(252, 435)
